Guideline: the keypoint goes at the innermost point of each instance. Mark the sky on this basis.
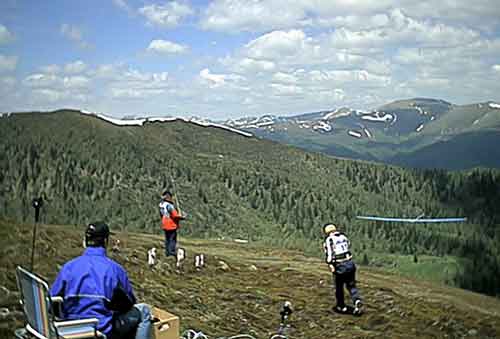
(225, 59)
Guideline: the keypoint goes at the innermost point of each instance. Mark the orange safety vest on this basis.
(170, 223)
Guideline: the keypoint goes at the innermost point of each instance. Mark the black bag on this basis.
(125, 324)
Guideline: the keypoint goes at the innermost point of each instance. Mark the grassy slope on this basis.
(466, 150)
(247, 299)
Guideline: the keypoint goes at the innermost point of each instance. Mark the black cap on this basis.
(97, 230)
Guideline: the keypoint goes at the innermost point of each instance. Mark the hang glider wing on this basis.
(416, 220)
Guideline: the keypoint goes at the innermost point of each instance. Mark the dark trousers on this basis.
(125, 324)
(170, 242)
(345, 275)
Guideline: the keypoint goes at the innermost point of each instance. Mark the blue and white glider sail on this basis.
(416, 220)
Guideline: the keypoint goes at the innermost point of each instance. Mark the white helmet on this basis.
(329, 228)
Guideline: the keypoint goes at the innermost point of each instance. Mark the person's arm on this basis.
(127, 287)
(122, 295)
(59, 284)
(175, 215)
(330, 255)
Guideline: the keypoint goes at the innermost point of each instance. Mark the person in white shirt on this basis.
(339, 260)
(152, 257)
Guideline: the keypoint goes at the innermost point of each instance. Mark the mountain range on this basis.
(416, 133)
(420, 132)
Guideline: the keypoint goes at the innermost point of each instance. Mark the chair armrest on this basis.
(81, 328)
(57, 299)
(89, 321)
(56, 303)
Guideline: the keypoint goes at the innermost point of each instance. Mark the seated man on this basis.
(94, 286)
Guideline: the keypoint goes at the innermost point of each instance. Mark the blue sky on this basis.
(230, 58)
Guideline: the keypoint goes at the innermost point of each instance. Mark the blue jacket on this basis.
(87, 284)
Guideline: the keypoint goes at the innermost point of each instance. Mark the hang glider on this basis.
(418, 219)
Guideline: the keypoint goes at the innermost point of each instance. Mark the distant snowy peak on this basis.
(142, 121)
(252, 122)
(338, 113)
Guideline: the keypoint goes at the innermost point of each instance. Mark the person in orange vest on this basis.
(170, 219)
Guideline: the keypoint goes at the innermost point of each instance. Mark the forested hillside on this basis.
(236, 186)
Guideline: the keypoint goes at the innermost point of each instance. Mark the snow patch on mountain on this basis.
(338, 113)
(142, 121)
(322, 125)
(252, 122)
(355, 134)
(367, 132)
(494, 105)
(378, 117)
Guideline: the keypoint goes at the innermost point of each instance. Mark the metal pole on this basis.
(37, 204)
(32, 262)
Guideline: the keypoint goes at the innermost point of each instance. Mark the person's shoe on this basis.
(340, 309)
(358, 307)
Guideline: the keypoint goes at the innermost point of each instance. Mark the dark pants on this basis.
(170, 242)
(134, 324)
(345, 275)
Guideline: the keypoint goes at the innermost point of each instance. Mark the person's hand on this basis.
(332, 268)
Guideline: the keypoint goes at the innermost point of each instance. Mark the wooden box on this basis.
(165, 324)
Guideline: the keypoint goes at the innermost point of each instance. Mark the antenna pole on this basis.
(37, 204)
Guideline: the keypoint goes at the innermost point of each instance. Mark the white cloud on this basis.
(259, 15)
(249, 65)
(285, 78)
(360, 78)
(286, 90)
(496, 68)
(48, 95)
(243, 15)
(358, 22)
(50, 69)
(134, 84)
(5, 35)
(168, 15)
(56, 83)
(7, 84)
(402, 29)
(7, 63)
(57, 97)
(166, 47)
(106, 71)
(79, 84)
(276, 44)
(216, 80)
(74, 34)
(133, 93)
(75, 67)
(42, 80)
(122, 4)
(76, 82)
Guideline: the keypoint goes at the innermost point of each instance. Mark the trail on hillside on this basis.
(244, 285)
